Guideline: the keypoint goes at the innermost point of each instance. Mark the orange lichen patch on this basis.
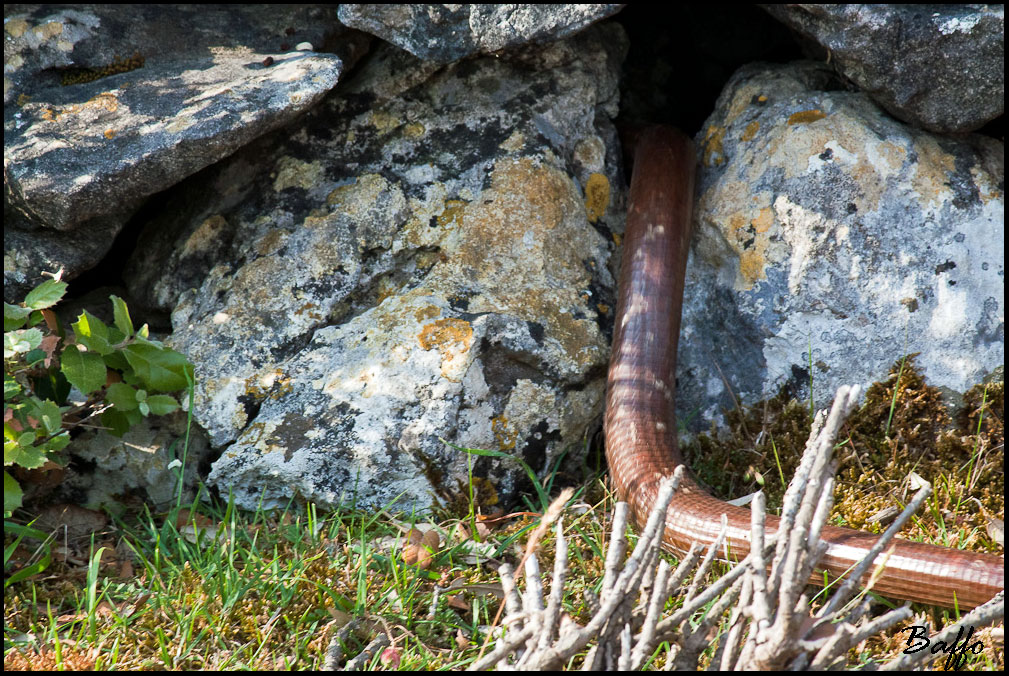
(762, 98)
(603, 308)
(764, 220)
(105, 100)
(453, 213)
(806, 116)
(445, 334)
(597, 196)
(110, 133)
(504, 433)
(527, 223)
(427, 312)
(313, 311)
(751, 266)
(77, 75)
(714, 153)
(750, 131)
(749, 239)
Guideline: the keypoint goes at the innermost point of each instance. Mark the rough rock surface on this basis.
(105, 105)
(447, 33)
(414, 260)
(825, 226)
(939, 67)
(141, 463)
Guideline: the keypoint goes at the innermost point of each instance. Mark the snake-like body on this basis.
(640, 422)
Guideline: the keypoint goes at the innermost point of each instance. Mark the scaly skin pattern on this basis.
(640, 422)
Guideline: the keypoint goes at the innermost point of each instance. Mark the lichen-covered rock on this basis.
(105, 105)
(146, 462)
(447, 33)
(422, 258)
(939, 67)
(831, 236)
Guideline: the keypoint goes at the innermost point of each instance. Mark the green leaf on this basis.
(144, 408)
(49, 415)
(20, 341)
(15, 316)
(59, 442)
(116, 360)
(29, 457)
(122, 315)
(159, 369)
(85, 370)
(92, 333)
(162, 404)
(46, 294)
(12, 494)
(34, 357)
(11, 387)
(122, 396)
(116, 421)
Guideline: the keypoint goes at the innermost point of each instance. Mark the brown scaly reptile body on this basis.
(640, 423)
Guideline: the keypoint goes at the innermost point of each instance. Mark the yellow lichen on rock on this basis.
(504, 433)
(597, 196)
(446, 335)
(15, 27)
(293, 173)
(206, 235)
(806, 116)
(714, 153)
(452, 215)
(750, 131)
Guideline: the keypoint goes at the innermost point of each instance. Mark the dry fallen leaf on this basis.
(187, 517)
(74, 522)
(457, 601)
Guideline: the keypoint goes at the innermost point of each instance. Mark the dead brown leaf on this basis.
(73, 522)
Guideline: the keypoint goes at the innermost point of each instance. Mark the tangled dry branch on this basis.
(771, 624)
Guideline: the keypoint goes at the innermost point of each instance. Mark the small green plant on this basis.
(120, 376)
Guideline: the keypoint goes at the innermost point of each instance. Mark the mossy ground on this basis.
(268, 591)
(902, 427)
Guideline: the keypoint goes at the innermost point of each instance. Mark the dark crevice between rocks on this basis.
(108, 273)
(676, 68)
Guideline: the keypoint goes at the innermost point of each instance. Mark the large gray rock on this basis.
(447, 33)
(105, 105)
(413, 262)
(939, 67)
(826, 227)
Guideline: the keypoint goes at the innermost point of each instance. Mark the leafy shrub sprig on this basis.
(121, 374)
